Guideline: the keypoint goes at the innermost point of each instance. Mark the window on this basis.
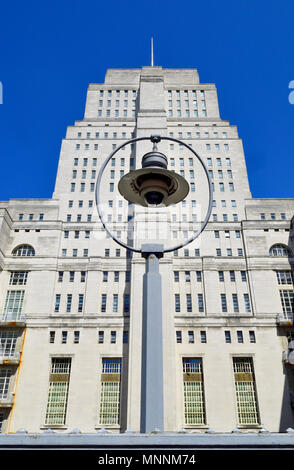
(252, 336)
(200, 303)
(103, 302)
(58, 391)
(243, 276)
(216, 233)
(221, 276)
(177, 303)
(232, 276)
(203, 336)
(101, 337)
(113, 337)
(13, 305)
(128, 276)
(284, 277)
(178, 336)
(71, 276)
(110, 391)
(7, 343)
(198, 276)
(176, 276)
(23, 250)
(51, 336)
(287, 300)
(57, 303)
(76, 337)
(227, 336)
(240, 336)
(194, 406)
(187, 276)
(224, 303)
(68, 302)
(247, 303)
(83, 276)
(231, 187)
(115, 303)
(5, 375)
(218, 252)
(191, 337)
(189, 302)
(18, 278)
(60, 276)
(81, 302)
(245, 391)
(279, 250)
(235, 303)
(240, 252)
(116, 276)
(64, 337)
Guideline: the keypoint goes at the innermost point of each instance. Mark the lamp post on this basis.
(152, 186)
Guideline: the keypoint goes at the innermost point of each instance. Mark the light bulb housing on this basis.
(153, 185)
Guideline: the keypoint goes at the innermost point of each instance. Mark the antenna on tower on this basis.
(152, 58)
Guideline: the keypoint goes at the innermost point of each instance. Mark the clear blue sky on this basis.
(51, 51)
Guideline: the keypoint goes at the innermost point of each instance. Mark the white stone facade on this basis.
(78, 295)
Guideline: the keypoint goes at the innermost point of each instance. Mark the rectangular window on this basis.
(191, 337)
(71, 276)
(189, 302)
(110, 391)
(51, 336)
(203, 336)
(243, 276)
(76, 337)
(194, 406)
(5, 375)
(101, 337)
(103, 302)
(115, 303)
(227, 336)
(57, 303)
(178, 336)
(252, 336)
(58, 391)
(7, 343)
(13, 305)
(176, 276)
(63, 337)
(113, 337)
(177, 303)
(221, 276)
(200, 303)
(245, 391)
(18, 278)
(224, 303)
(232, 276)
(235, 302)
(83, 276)
(68, 302)
(240, 336)
(198, 276)
(284, 277)
(81, 302)
(247, 303)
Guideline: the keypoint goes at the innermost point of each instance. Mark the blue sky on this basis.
(51, 51)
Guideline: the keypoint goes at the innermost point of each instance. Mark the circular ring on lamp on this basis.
(151, 138)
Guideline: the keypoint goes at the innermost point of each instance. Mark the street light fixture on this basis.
(152, 186)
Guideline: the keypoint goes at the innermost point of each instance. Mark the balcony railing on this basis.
(285, 318)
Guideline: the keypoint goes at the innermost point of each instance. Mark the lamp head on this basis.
(153, 185)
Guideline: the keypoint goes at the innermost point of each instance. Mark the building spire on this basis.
(152, 58)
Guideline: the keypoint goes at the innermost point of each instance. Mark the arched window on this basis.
(23, 250)
(279, 250)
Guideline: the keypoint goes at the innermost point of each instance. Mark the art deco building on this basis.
(71, 298)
